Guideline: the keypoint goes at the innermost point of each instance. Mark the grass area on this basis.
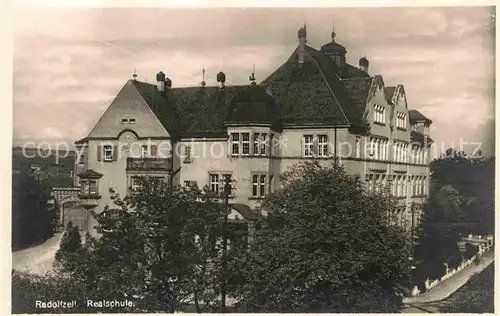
(476, 296)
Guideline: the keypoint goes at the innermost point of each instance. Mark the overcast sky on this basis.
(69, 64)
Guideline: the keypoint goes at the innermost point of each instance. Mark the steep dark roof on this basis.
(90, 174)
(253, 104)
(415, 116)
(358, 89)
(389, 92)
(192, 110)
(333, 48)
(314, 92)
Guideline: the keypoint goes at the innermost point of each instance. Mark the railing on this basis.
(149, 164)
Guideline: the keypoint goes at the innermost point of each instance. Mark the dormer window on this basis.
(379, 114)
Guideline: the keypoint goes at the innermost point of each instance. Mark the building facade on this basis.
(314, 107)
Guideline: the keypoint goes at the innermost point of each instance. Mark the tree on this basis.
(71, 243)
(460, 203)
(32, 220)
(158, 246)
(326, 246)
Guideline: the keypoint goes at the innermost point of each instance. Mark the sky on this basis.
(69, 64)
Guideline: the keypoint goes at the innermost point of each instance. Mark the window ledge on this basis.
(401, 129)
(256, 198)
(378, 123)
(89, 196)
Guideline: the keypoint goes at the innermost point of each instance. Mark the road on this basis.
(37, 259)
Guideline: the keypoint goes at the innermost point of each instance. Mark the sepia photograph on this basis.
(253, 160)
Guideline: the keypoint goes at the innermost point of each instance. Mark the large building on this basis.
(315, 106)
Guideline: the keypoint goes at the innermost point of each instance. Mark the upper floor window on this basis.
(108, 152)
(379, 114)
(401, 120)
(245, 143)
(235, 144)
(93, 186)
(259, 144)
(308, 145)
(187, 154)
(128, 120)
(322, 145)
(148, 151)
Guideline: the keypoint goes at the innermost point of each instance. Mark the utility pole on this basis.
(227, 192)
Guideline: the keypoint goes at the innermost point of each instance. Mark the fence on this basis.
(486, 243)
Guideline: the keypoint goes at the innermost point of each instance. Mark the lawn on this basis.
(477, 296)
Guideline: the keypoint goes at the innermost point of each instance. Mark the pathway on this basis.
(37, 259)
(434, 299)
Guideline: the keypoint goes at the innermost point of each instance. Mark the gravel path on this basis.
(37, 259)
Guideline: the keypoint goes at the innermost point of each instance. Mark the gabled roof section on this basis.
(359, 89)
(314, 93)
(128, 103)
(192, 110)
(416, 116)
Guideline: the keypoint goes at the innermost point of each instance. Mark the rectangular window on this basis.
(245, 143)
(135, 185)
(214, 182)
(271, 183)
(93, 187)
(144, 151)
(271, 144)
(132, 121)
(371, 151)
(187, 154)
(379, 114)
(108, 152)
(124, 121)
(255, 190)
(259, 185)
(322, 145)
(358, 147)
(263, 144)
(308, 145)
(263, 185)
(235, 144)
(256, 143)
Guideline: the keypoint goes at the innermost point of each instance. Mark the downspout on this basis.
(335, 142)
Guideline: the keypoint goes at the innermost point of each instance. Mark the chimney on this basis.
(302, 34)
(221, 79)
(168, 83)
(160, 81)
(364, 64)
